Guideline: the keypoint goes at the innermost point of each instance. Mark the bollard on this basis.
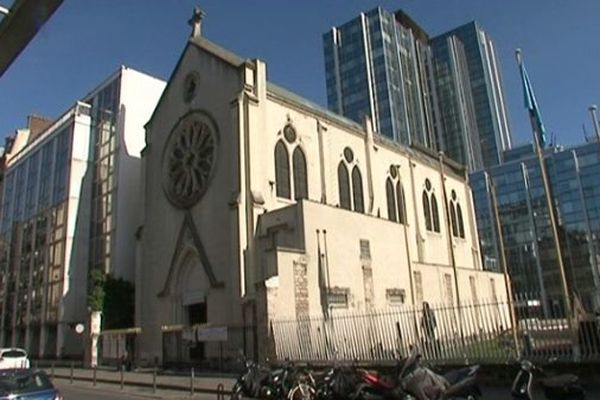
(94, 377)
(72, 366)
(192, 382)
(154, 380)
(52, 369)
(122, 375)
(220, 392)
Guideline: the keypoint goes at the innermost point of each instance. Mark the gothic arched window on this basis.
(300, 178)
(461, 225)
(427, 211)
(344, 186)
(453, 219)
(357, 190)
(435, 214)
(391, 201)
(282, 171)
(401, 203)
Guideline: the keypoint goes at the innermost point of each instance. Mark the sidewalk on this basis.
(145, 379)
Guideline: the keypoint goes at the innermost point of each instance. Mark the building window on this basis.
(430, 208)
(298, 167)
(473, 289)
(453, 220)
(344, 186)
(365, 249)
(461, 225)
(391, 201)
(356, 201)
(300, 178)
(282, 171)
(449, 295)
(427, 211)
(395, 197)
(456, 218)
(418, 278)
(434, 213)
(357, 190)
(401, 202)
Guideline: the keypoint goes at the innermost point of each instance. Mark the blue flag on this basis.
(532, 107)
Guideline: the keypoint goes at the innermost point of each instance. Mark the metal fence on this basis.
(185, 346)
(475, 332)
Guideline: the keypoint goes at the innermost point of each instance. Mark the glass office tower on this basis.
(573, 174)
(473, 123)
(443, 93)
(377, 65)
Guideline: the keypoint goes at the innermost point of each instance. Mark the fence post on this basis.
(52, 369)
(94, 375)
(192, 382)
(154, 380)
(71, 376)
(122, 375)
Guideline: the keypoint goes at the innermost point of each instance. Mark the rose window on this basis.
(189, 159)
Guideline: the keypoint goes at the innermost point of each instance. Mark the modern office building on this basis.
(261, 205)
(378, 65)
(523, 214)
(472, 119)
(444, 93)
(70, 204)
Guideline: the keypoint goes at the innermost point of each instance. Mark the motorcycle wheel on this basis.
(302, 391)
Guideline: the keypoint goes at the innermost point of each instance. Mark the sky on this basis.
(85, 41)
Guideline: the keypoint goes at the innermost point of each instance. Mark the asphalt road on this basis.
(84, 390)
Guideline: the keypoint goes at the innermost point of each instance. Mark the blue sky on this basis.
(86, 40)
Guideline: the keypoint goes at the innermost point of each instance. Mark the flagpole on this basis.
(533, 118)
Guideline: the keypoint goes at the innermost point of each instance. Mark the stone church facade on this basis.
(260, 205)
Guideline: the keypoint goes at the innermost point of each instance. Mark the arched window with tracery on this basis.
(282, 171)
(461, 225)
(391, 201)
(401, 202)
(291, 176)
(357, 190)
(427, 211)
(435, 214)
(344, 186)
(453, 219)
(300, 178)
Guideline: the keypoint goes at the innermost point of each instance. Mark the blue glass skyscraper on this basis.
(377, 65)
(443, 93)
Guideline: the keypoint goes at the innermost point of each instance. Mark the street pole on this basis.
(544, 174)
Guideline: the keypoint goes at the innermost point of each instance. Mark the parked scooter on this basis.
(424, 384)
(338, 383)
(559, 387)
(251, 382)
(375, 386)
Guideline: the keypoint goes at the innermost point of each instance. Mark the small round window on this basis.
(348, 154)
(453, 195)
(393, 171)
(289, 133)
(427, 184)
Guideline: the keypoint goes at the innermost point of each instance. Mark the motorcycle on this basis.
(251, 382)
(424, 384)
(559, 387)
(338, 383)
(375, 386)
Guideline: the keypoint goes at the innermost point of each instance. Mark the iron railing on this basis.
(479, 332)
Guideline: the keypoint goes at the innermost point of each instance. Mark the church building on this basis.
(259, 205)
